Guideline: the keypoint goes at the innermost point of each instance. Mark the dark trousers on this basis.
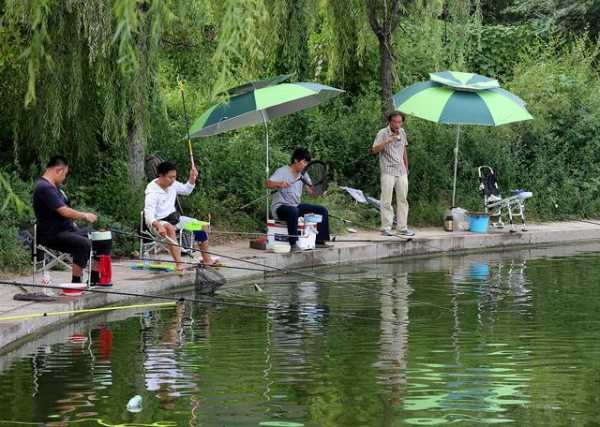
(292, 213)
(74, 242)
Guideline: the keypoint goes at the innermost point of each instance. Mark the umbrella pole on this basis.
(455, 166)
(266, 164)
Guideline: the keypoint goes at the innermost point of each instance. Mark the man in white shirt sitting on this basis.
(161, 215)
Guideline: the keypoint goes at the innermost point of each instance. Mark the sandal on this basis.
(216, 262)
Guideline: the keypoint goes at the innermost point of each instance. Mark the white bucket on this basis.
(277, 234)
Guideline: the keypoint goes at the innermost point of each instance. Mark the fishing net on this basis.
(208, 280)
(315, 174)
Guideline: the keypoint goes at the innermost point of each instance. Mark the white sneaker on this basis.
(387, 232)
(406, 232)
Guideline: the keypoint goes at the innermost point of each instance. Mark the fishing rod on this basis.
(362, 240)
(587, 221)
(281, 270)
(347, 221)
(185, 117)
(273, 269)
(262, 270)
(208, 300)
(181, 299)
(404, 238)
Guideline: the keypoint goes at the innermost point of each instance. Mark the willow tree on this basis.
(384, 17)
(90, 73)
(345, 24)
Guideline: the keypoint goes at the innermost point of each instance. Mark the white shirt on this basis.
(160, 203)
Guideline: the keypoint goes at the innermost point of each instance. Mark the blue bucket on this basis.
(478, 222)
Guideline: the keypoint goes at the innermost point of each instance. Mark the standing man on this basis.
(390, 144)
(55, 226)
(287, 201)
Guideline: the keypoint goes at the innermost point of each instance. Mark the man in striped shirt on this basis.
(390, 144)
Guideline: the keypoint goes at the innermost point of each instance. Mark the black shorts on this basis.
(76, 243)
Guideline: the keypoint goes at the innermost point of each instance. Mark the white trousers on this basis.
(388, 184)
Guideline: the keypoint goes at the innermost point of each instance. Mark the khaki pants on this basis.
(388, 183)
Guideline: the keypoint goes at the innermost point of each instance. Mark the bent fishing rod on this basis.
(273, 269)
(207, 300)
(347, 221)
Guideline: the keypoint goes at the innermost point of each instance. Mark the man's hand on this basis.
(90, 217)
(193, 174)
(283, 184)
(392, 138)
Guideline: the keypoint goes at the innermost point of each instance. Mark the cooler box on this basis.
(277, 232)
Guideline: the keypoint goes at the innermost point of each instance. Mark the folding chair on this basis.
(498, 206)
(149, 243)
(45, 258)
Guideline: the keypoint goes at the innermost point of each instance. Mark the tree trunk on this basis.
(383, 19)
(386, 63)
(138, 116)
(136, 144)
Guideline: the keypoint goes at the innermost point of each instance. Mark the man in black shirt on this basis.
(55, 226)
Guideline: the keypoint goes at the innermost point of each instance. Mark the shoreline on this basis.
(355, 248)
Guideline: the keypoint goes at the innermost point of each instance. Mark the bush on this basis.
(14, 215)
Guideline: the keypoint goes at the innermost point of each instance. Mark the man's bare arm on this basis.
(67, 212)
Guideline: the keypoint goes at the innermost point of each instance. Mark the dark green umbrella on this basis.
(259, 106)
(447, 104)
(257, 84)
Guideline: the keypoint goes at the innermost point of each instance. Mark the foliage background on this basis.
(96, 80)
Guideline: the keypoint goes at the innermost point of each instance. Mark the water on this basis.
(507, 337)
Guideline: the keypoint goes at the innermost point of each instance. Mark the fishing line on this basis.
(587, 221)
(404, 238)
(314, 175)
(281, 270)
(273, 269)
(200, 265)
(208, 300)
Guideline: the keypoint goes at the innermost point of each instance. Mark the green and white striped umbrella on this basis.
(442, 103)
(261, 105)
(464, 81)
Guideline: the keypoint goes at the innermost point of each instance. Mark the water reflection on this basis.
(482, 338)
(477, 379)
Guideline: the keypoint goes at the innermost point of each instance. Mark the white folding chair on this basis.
(150, 245)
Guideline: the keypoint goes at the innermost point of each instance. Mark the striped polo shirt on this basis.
(391, 158)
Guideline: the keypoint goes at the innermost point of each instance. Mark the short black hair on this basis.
(57, 161)
(393, 114)
(165, 167)
(300, 154)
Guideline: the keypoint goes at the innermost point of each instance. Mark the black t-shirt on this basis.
(46, 200)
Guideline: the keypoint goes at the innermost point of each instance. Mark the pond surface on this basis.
(510, 337)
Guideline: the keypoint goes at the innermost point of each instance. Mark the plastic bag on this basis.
(460, 219)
